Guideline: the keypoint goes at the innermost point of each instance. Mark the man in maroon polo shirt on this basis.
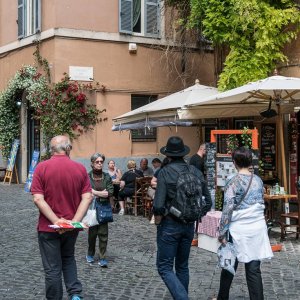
(62, 192)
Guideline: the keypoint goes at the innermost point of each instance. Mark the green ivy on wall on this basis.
(255, 31)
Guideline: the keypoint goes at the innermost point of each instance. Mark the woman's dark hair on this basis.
(242, 157)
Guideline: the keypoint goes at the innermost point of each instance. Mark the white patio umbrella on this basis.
(278, 92)
(166, 107)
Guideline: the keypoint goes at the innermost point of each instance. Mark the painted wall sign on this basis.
(34, 162)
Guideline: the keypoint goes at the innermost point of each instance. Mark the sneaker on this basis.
(102, 263)
(121, 212)
(152, 221)
(75, 297)
(89, 259)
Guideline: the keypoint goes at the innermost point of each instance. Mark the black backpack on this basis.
(188, 205)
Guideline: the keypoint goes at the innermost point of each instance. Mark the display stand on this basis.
(11, 168)
(9, 175)
(254, 134)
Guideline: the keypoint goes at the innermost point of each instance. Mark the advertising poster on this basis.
(225, 169)
(268, 146)
(13, 155)
(34, 162)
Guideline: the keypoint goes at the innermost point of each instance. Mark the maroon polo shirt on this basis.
(62, 181)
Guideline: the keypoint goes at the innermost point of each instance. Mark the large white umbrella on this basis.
(247, 100)
(166, 107)
(282, 93)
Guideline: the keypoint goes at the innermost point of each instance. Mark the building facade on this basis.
(131, 47)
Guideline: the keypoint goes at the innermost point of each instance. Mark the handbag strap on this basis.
(243, 197)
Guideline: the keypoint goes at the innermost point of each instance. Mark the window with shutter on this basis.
(152, 18)
(20, 19)
(139, 17)
(29, 17)
(146, 134)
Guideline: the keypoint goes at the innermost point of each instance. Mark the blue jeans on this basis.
(173, 244)
(57, 252)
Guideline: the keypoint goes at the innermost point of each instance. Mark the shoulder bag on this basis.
(104, 212)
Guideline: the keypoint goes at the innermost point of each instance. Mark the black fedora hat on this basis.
(175, 147)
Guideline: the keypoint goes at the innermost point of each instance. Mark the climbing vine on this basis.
(255, 32)
(62, 108)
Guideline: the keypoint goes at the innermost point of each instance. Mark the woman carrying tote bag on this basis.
(243, 217)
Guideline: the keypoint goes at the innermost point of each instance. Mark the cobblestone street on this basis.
(131, 255)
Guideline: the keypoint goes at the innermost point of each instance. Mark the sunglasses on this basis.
(98, 162)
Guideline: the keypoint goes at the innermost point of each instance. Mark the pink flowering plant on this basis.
(61, 108)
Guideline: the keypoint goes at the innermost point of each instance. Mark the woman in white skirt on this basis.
(243, 217)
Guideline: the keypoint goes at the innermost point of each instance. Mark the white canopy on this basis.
(247, 100)
(167, 106)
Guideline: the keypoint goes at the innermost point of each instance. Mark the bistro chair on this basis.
(294, 219)
(141, 186)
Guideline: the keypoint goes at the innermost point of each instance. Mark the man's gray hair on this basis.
(97, 155)
(60, 144)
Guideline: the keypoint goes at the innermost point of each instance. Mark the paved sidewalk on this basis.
(131, 254)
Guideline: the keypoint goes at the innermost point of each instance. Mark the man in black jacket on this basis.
(174, 237)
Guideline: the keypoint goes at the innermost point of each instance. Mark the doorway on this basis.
(33, 136)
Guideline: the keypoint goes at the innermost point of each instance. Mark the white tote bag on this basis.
(90, 218)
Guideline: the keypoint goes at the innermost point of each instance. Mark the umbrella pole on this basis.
(282, 148)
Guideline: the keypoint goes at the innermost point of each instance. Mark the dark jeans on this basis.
(253, 277)
(100, 231)
(173, 244)
(57, 252)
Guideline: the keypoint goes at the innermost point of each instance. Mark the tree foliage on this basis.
(254, 30)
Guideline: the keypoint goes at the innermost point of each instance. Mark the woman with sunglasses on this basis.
(102, 189)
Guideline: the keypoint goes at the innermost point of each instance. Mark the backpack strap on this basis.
(178, 172)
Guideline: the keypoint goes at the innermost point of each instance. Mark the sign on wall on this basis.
(81, 73)
(34, 162)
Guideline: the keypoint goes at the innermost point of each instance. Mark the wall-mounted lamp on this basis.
(132, 47)
(269, 113)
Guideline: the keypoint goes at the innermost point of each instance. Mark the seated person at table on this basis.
(115, 175)
(156, 163)
(127, 184)
(147, 171)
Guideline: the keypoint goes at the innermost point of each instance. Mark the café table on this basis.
(208, 231)
(270, 199)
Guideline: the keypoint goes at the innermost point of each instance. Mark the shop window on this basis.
(144, 134)
(29, 17)
(139, 17)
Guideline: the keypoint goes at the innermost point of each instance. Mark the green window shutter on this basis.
(125, 17)
(37, 16)
(20, 19)
(152, 17)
